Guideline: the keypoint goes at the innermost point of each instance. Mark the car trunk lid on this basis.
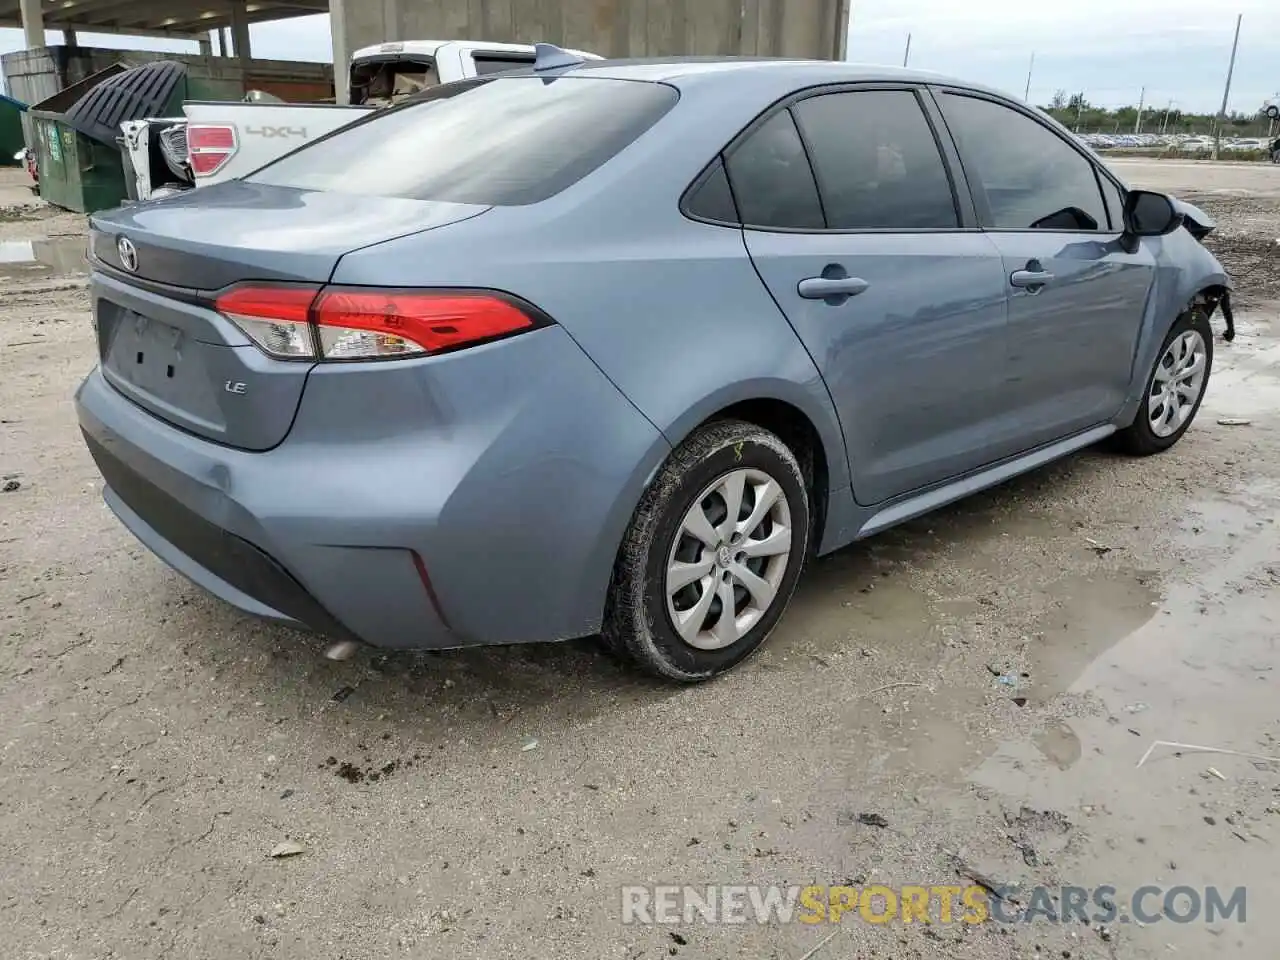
(158, 266)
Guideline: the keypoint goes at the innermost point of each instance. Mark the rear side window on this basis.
(877, 162)
(1032, 179)
(712, 199)
(495, 63)
(503, 142)
(772, 180)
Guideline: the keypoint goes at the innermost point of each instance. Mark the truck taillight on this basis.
(363, 323)
(210, 146)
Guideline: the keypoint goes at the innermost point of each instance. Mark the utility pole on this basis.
(1226, 93)
(1026, 94)
(906, 54)
(1142, 102)
(1164, 124)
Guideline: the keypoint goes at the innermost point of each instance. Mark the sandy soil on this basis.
(157, 745)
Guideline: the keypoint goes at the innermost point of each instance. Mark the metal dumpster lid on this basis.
(138, 93)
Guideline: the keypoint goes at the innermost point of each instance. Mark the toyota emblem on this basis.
(128, 254)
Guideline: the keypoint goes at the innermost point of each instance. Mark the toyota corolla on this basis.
(613, 348)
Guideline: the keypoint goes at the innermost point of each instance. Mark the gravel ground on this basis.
(157, 745)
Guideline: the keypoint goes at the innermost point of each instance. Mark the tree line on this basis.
(1077, 113)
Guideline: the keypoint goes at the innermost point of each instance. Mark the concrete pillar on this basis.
(620, 28)
(69, 38)
(32, 23)
(841, 27)
(224, 48)
(240, 31)
(206, 46)
(341, 51)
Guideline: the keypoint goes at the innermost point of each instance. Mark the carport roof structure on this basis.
(188, 19)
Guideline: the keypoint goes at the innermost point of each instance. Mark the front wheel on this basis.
(712, 555)
(1175, 387)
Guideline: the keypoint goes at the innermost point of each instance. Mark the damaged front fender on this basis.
(1214, 291)
(1187, 274)
(1198, 223)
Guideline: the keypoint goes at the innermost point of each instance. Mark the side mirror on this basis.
(1150, 214)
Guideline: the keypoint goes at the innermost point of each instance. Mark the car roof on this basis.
(681, 70)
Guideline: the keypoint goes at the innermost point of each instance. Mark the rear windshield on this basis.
(383, 82)
(502, 142)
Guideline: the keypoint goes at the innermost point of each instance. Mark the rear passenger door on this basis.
(871, 252)
(1076, 291)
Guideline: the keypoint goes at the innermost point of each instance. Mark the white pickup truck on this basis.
(216, 141)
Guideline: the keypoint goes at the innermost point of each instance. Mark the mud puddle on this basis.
(1246, 375)
(1196, 667)
(39, 258)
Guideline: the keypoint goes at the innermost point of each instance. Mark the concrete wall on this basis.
(31, 75)
(613, 28)
(36, 75)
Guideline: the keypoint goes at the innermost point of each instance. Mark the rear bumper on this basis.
(222, 563)
(478, 497)
(190, 502)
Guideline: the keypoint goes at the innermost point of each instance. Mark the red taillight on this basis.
(209, 147)
(274, 317)
(362, 323)
(365, 323)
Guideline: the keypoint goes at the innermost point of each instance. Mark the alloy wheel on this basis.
(1178, 382)
(728, 559)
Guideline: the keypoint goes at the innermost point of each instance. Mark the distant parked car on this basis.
(644, 339)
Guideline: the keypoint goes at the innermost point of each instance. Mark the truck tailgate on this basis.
(235, 139)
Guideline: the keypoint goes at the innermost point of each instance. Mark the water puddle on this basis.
(41, 258)
(1198, 667)
(1246, 374)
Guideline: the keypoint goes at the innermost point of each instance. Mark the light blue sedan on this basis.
(614, 347)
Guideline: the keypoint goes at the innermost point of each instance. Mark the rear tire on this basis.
(683, 554)
(1175, 387)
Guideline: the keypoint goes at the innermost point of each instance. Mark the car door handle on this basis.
(1030, 279)
(838, 289)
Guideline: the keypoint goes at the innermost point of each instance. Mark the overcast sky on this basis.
(1110, 49)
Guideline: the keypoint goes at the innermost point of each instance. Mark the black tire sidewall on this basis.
(1191, 320)
(663, 642)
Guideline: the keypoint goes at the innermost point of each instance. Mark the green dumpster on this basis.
(81, 167)
(11, 138)
(76, 172)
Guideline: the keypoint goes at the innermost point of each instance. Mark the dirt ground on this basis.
(157, 745)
